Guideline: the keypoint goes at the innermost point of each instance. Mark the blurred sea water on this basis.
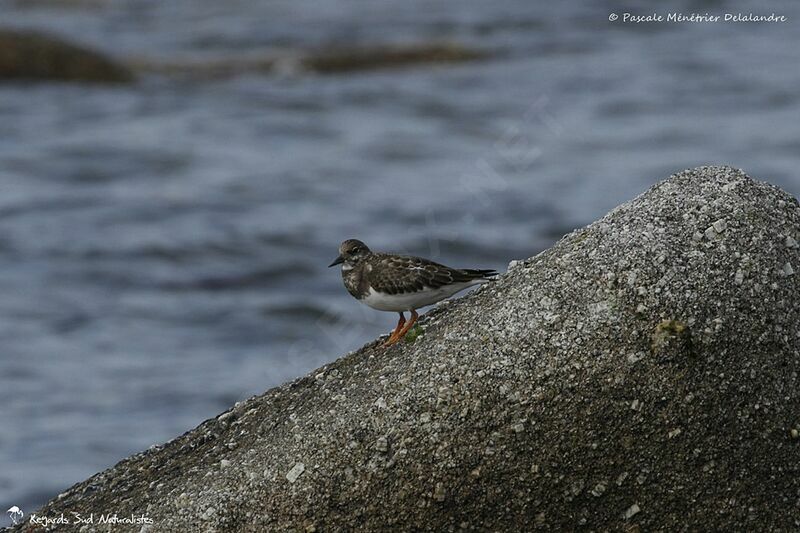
(164, 244)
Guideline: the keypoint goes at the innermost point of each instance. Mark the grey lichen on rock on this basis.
(536, 401)
(30, 55)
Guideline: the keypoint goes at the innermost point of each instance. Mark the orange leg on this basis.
(393, 337)
(402, 332)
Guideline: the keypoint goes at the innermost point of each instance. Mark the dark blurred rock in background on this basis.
(32, 55)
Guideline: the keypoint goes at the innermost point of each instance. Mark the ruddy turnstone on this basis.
(400, 283)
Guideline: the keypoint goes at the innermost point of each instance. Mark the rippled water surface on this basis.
(164, 245)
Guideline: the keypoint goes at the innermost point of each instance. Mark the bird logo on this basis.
(15, 514)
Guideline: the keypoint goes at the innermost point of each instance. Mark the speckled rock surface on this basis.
(642, 374)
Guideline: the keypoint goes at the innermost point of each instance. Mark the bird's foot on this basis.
(402, 329)
(391, 340)
(395, 336)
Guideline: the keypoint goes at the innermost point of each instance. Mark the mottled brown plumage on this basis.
(401, 274)
(390, 282)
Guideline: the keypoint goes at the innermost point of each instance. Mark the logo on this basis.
(15, 514)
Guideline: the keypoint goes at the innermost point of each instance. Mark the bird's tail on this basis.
(480, 273)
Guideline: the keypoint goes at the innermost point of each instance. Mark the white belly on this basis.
(414, 300)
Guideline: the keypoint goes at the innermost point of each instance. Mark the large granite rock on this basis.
(641, 374)
(31, 56)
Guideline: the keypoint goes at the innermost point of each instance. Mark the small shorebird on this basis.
(400, 283)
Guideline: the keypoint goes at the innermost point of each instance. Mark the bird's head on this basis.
(351, 252)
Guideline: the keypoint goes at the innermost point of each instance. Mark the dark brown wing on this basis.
(400, 274)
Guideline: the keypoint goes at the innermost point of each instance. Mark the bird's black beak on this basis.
(338, 261)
